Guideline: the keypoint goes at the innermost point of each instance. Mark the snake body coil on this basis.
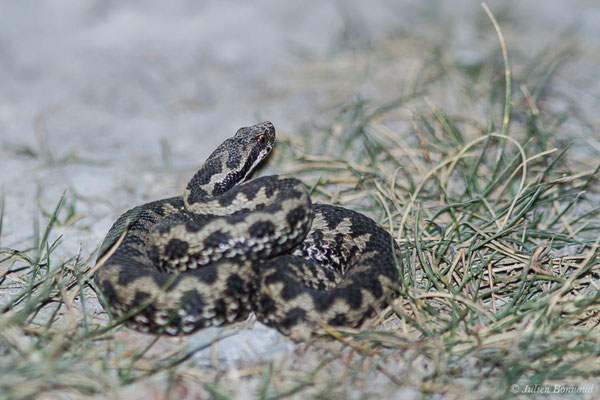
(224, 249)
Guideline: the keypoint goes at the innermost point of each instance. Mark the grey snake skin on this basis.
(227, 248)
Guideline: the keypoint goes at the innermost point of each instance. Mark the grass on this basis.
(501, 254)
(498, 219)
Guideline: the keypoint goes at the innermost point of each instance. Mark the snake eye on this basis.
(260, 139)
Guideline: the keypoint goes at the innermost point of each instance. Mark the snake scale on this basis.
(227, 248)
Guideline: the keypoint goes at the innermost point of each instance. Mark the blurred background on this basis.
(108, 80)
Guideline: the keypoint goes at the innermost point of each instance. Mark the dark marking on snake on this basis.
(176, 248)
(261, 229)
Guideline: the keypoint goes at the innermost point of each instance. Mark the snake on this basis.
(230, 246)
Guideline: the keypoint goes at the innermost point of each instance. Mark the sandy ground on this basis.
(118, 103)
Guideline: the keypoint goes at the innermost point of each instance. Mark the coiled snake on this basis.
(224, 249)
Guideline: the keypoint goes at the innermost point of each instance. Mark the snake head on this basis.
(232, 162)
(254, 144)
(261, 136)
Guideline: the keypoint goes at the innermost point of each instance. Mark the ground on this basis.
(384, 108)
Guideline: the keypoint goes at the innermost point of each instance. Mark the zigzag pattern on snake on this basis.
(226, 248)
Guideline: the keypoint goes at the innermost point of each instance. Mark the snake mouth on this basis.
(260, 158)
